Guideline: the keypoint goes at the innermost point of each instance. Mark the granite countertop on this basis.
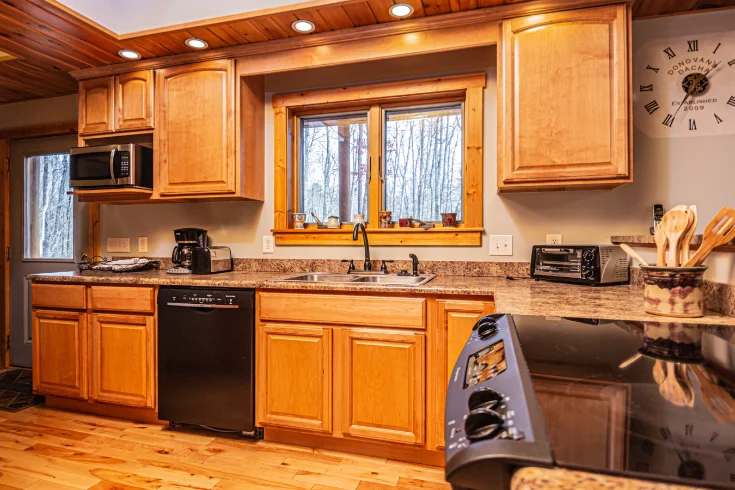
(519, 296)
(559, 479)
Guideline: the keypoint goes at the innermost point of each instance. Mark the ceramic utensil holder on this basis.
(298, 220)
(449, 220)
(674, 291)
(384, 219)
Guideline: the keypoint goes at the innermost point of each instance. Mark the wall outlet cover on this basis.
(119, 245)
(143, 244)
(553, 240)
(268, 243)
(501, 244)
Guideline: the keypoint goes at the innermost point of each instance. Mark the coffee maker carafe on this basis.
(186, 239)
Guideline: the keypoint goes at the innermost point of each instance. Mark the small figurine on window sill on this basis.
(417, 223)
(333, 222)
(319, 224)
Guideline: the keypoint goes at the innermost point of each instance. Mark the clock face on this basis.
(685, 86)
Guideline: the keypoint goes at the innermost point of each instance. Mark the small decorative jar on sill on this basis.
(298, 220)
(404, 222)
(449, 220)
(385, 219)
(358, 218)
(333, 222)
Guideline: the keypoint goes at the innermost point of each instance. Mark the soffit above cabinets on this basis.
(48, 39)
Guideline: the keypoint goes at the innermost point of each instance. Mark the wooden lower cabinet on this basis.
(383, 385)
(123, 368)
(586, 420)
(295, 377)
(60, 353)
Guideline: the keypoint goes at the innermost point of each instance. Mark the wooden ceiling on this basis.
(46, 42)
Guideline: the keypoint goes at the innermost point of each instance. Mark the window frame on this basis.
(376, 99)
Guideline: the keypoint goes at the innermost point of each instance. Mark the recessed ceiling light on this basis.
(195, 43)
(129, 54)
(400, 10)
(303, 26)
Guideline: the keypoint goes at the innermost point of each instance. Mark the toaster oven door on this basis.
(559, 262)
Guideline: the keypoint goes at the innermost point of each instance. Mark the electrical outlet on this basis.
(501, 244)
(118, 245)
(553, 239)
(143, 244)
(267, 244)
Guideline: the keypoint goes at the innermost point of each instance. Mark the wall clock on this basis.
(685, 86)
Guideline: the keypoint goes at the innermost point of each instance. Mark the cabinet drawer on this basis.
(114, 298)
(344, 310)
(58, 296)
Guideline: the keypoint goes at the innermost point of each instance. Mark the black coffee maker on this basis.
(187, 239)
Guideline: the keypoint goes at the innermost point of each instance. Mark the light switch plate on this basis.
(501, 244)
(143, 244)
(553, 239)
(267, 244)
(120, 245)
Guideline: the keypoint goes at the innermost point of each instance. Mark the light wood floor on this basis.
(43, 448)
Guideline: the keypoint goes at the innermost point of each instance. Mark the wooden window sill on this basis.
(456, 237)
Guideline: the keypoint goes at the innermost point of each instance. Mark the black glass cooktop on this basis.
(654, 400)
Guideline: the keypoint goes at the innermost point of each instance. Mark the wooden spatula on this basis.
(718, 232)
(674, 223)
(686, 242)
(671, 389)
(661, 241)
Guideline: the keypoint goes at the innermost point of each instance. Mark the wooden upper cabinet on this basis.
(195, 129)
(60, 353)
(134, 101)
(295, 377)
(123, 360)
(383, 382)
(96, 105)
(564, 117)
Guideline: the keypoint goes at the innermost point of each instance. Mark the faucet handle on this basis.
(351, 267)
(384, 267)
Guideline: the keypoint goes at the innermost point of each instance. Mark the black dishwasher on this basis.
(206, 358)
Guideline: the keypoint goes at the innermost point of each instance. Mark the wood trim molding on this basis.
(456, 237)
(54, 129)
(4, 242)
(458, 19)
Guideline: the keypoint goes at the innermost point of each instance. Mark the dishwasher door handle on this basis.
(187, 305)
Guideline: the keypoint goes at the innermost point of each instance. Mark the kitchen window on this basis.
(413, 148)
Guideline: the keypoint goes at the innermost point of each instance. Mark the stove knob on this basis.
(482, 423)
(487, 329)
(484, 398)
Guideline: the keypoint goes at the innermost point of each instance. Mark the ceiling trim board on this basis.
(348, 35)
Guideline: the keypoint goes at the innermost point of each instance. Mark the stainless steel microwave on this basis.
(126, 165)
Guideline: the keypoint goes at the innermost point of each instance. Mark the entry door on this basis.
(47, 227)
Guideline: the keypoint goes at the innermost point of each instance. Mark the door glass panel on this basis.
(49, 215)
(424, 162)
(334, 166)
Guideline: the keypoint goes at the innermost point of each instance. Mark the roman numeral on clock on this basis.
(729, 453)
(651, 107)
(670, 53)
(718, 47)
(715, 435)
(731, 62)
(669, 121)
(649, 67)
(731, 101)
(693, 46)
(692, 127)
(719, 120)
(647, 88)
(665, 433)
(688, 428)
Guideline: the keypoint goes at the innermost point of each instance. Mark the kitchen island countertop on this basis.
(560, 479)
(514, 296)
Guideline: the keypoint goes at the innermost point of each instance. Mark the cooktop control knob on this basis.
(484, 398)
(482, 423)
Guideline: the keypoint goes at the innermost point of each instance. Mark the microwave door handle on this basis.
(112, 166)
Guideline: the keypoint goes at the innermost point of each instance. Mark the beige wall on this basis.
(39, 111)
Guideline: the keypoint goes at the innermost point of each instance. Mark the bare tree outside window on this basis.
(424, 162)
(49, 220)
(334, 166)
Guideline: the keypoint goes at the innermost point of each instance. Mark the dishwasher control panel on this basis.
(203, 297)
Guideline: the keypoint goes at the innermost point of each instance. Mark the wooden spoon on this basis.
(719, 402)
(687, 238)
(661, 241)
(671, 389)
(674, 223)
(718, 232)
(633, 254)
(659, 372)
(685, 383)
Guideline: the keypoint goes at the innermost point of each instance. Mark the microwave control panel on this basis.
(124, 164)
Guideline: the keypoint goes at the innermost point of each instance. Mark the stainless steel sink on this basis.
(357, 278)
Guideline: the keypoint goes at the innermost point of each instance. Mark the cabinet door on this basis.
(60, 353)
(295, 377)
(586, 421)
(383, 385)
(96, 103)
(564, 112)
(123, 360)
(455, 320)
(195, 135)
(134, 101)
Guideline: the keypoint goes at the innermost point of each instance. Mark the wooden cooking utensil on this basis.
(685, 383)
(719, 402)
(687, 238)
(661, 241)
(671, 389)
(674, 223)
(659, 372)
(718, 232)
(633, 254)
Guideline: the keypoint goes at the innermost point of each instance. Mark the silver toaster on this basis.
(209, 260)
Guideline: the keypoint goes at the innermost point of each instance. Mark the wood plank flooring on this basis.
(44, 448)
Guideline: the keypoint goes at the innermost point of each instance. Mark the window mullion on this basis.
(375, 128)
